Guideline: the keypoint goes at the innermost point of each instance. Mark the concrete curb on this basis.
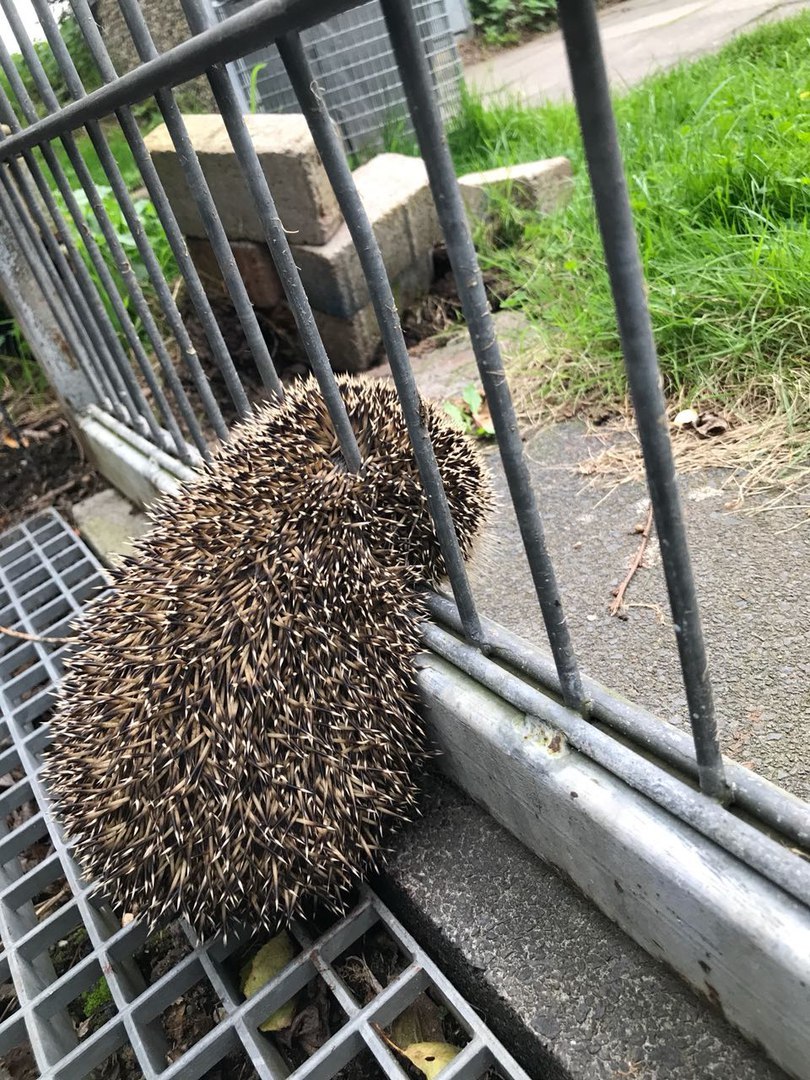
(683, 899)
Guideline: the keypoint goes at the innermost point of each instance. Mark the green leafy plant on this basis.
(504, 22)
(470, 413)
(255, 72)
(80, 54)
(154, 234)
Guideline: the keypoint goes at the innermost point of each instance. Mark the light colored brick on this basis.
(423, 221)
(394, 191)
(255, 266)
(110, 524)
(544, 186)
(304, 199)
(351, 343)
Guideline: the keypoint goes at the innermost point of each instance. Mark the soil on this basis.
(424, 325)
(41, 463)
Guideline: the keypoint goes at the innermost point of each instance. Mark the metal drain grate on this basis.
(46, 575)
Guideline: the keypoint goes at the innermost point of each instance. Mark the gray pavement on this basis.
(639, 37)
(753, 575)
(570, 994)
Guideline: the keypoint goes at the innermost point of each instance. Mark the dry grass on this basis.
(764, 450)
(767, 463)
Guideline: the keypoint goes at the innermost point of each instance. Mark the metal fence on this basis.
(351, 58)
(105, 320)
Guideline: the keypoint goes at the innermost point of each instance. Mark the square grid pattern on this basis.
(46, 575)
(352, 58)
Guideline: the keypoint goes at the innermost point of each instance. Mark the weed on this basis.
(255, 72)
(470, 413)
(504, 22)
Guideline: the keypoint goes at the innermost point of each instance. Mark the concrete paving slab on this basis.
(639, 37)
(109, 523)
(570, 993)
(443, 372)
(752, 574)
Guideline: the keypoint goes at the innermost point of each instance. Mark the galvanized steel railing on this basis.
(589, 715)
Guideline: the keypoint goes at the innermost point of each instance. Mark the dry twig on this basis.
(618, 593)
(47, 906)
(21, 634)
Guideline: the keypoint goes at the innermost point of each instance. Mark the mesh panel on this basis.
(352, 59)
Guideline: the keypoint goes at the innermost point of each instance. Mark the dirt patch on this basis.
(426, 324)
(41, 462)
(279, 336)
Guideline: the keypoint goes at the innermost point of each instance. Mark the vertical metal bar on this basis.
(279, 247)
(134, 390)
(233, 73)
(581, 34)
(416, 80)
(200, 192)
(77, 282)
(162, 291)
(34, 253)
(122, 262)
(196, 291)
(330, 148)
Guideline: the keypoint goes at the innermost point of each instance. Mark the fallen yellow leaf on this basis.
(264, 966)
(431, 1057)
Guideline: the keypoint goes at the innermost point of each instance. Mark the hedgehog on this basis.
(237, 735)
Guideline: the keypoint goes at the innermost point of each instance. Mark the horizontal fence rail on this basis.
(142, 367)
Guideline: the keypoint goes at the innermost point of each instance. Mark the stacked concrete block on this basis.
(394, 191)
(353, 342)
(255, 267)
(544, 186)
(305, 202)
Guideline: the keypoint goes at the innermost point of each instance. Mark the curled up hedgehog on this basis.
(237, 732)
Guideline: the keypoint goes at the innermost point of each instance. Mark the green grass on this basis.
(717, 155)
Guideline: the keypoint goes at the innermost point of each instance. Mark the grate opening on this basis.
(71, 948)
(371, 964)
(20, 657)
(9, 1002)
